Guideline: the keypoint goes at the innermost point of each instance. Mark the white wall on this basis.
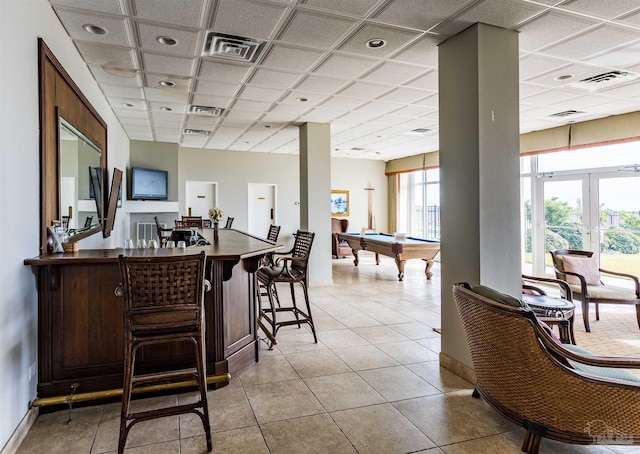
(233, 170)
(21, 23)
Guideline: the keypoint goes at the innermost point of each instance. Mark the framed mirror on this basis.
(73, 155)
(80, 177)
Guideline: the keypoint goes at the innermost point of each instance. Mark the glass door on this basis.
(617, 221)
(566, 212)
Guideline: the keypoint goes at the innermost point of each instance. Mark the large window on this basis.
(584, 199)
(419, 204)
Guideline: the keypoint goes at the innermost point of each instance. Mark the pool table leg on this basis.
(356, 260)
(427, 270)
(400, 265)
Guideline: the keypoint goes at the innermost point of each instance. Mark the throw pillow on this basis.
(495, 295)
(586, 266)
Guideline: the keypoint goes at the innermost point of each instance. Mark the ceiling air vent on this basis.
(604, 80)
(566, 113)
(196, 132)
(230, 47)
(418, 132)
(206, 110)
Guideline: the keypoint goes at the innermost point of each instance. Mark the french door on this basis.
(598, 212)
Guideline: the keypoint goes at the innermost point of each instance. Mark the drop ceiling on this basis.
(311, 64)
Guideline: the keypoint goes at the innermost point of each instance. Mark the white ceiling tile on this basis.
(122, 92)
(246, 18)
(290, 109)
(218, 143)
(251, 106)
(121, 58)
(164, 64)
(125, 112)
(342, 104)
(414, 111)
(193, 141)
(622, 57)
(129, 78)
(208, 87)
(142, 136)
(118, 103)
(211, 101)
(592, 42)
(189, 13)
(394, 37)
(428, 81)
(354, 7)
(321, 115)
(260, 94)
(243, 115)
(137, 123)
(181, 83)
(223, 72)
(201, 122)
(273, 79)
(166, 94)
(393, 73)
(118, 31)
(169, 117)
(168, 127)
(527, 89)
(631, 19)
(176, 108)
(347, 66)
(359, 116)
(619, 106)
(292, 58)
(320, 84)
(421, 52)
(549, 28)
(315, 30)
(103, 6)
(365, 90)
(378, 107)
(419, 14)
(168, 138)
(599, 8)
(405, 95)
(188, 41)
(533, 64)
(501, 13)
(579, 72)
(294, 97)
(628, 90)
(551, 97)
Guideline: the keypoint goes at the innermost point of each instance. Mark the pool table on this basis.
(400, 250)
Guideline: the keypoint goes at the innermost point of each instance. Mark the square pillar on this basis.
(479, 170)
(315, 197)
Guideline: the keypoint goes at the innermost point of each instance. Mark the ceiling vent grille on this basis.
(604, 80)
(196, 132)
(206, 110)
(566, 113)
(230, 47)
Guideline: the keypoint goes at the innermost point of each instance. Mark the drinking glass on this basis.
(153, 244)
(171, 244)
(128, 244)
(142, 244)
(182, 244)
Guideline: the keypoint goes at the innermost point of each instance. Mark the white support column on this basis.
(315, 197)
(479, 165)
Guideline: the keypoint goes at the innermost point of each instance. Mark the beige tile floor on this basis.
(372, 384)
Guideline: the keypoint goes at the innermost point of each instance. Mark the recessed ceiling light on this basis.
(166, 109)
(126, 104)
(266, 126)
(94, 29)
(564, 77)
(166, 83)
(167, 40)
(376, 43)
(302, 99)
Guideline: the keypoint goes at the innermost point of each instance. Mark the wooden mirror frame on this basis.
(58, 92)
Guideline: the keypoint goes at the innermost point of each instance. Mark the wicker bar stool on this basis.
(291, 268)
(164, 303)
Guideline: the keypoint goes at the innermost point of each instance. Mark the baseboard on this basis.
(18, 435)
(458, 368)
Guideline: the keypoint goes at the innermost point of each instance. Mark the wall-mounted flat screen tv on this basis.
(148, 184)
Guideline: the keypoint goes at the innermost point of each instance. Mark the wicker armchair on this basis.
(534, 381)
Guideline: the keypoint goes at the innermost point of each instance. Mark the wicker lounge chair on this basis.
(542, 385)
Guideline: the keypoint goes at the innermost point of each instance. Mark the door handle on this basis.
(272, 214)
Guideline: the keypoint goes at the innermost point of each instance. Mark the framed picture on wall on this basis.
(339, 202)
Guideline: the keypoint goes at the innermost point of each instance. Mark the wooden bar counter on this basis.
(80, 320)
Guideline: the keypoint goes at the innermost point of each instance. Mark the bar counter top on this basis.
(231, 245)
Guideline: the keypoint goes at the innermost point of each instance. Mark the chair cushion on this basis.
(586, 266)
(497, 296)
(602, 372)
(606, 291)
